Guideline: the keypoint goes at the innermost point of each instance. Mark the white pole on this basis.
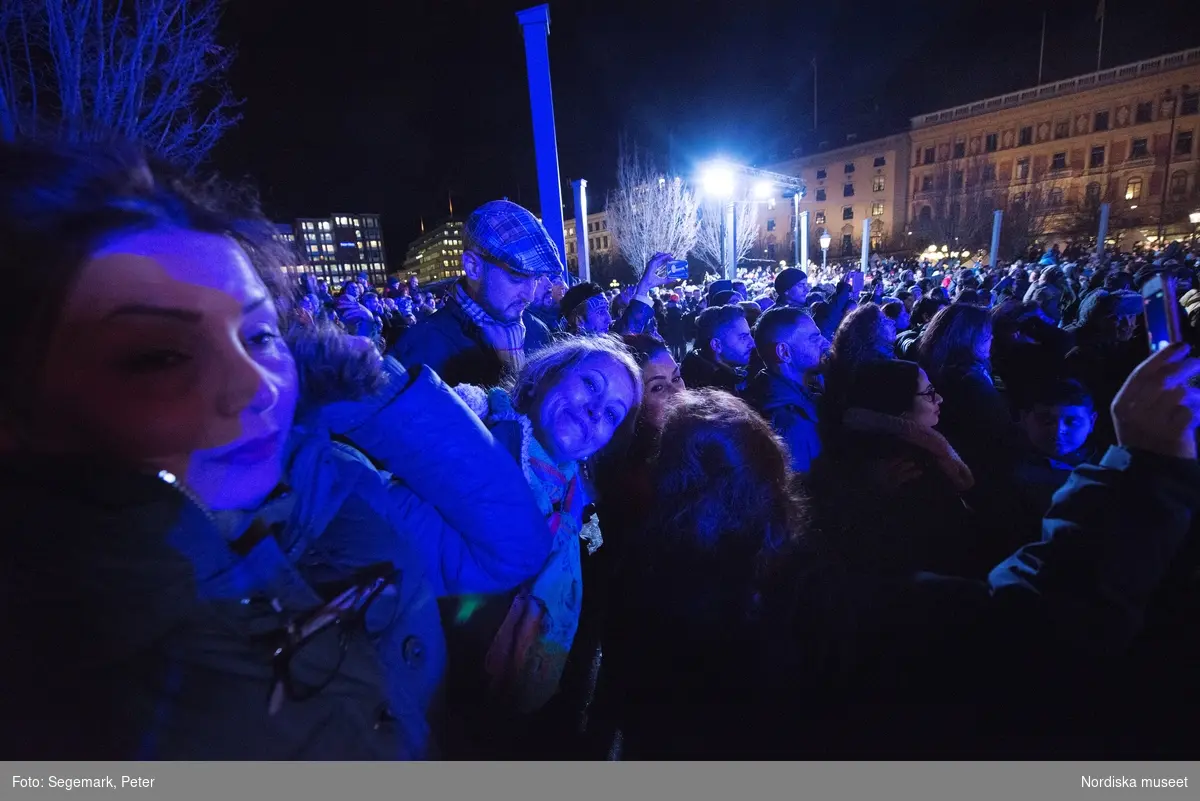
(1103, 233)
(803, 223)
(581, 243)
(866, 246)
(535, 23)
(997, 216)
(730, 243)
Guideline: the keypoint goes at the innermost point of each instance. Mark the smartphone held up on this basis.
(1162, 312)
(676, 270)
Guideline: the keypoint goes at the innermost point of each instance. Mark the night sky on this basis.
(389, 105)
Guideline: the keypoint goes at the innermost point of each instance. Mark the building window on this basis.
(878, 183)
(604, 225)
(1026, 136)
(1022, 169)
(880, 161)
(877, 209)
(956, 180)
(1100, 121)
(847, 243)
(771, 224)
(848, 190)
(1058, 161)
(989, 173)
(605, 243)
(1062, 129)
(1092, 193)
(820, 194)
(847, 212)
(991, 143)
(1179, 184)
(1097, 157)
(928, 156)
(1056, 197)
(1140, 149)
(960, 150)
(1133, 189)
(1190, 104)
(1144, 110)
(927, 183)
(819, 218)
(821, 174)
(1183, 143)
(849, 167)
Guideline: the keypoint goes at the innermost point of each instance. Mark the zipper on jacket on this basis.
(170, 479)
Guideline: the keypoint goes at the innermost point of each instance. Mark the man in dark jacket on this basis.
(723, 347)
(485, 329)
(587, 311)
(791, 347)
(791, 287)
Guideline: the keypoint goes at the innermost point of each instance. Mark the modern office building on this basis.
(437, 254)
(339, 247)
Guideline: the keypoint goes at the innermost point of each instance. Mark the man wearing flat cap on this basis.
(486, 329)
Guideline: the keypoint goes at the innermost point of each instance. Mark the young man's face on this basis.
(1058, 431)
(734, 343)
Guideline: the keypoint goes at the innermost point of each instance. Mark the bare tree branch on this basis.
(649, 212)
(711, 235)
(147, 70)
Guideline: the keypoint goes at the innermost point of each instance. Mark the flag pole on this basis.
(814, 63)
(1100, 49)
(1042, 49)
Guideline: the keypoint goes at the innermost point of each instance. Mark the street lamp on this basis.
(763, 190)
(825, 241)
(718, 180)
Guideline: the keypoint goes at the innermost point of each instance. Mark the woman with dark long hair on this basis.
(865, 335)
(955, 350)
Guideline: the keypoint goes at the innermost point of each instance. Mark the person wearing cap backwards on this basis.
(485, 329)
(791, 287)
(587, 311)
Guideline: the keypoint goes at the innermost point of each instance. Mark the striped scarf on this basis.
(507, 339)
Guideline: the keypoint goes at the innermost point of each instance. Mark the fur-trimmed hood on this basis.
(928, 440)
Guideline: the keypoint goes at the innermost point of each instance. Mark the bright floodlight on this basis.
(825, 240)
(718, 180)
(763, 190)
(1194, 217)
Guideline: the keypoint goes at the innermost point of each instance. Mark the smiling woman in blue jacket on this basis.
(191, 574)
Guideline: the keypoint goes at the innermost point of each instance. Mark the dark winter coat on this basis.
(792, 412)
(452, 345)
(700, 369)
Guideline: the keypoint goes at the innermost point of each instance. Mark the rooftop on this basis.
(1068, 86)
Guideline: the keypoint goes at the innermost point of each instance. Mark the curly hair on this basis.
(725, 506)
(545, 366)
(862, 336)
(59, 204)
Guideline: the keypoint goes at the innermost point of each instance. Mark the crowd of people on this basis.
(938, 510)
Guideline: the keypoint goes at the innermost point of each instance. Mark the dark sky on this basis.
(388, 105)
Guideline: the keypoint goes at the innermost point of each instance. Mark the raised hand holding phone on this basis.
(1157, 410)
(1162, 312)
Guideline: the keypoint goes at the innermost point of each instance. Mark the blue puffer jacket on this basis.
(147, 623)
(455, 491)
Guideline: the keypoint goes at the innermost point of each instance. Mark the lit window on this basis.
(819, 218)
(1133, 189)
(877, 209)
(877, 183)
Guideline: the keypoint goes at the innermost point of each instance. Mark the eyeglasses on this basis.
(315, 644)
(930, 393)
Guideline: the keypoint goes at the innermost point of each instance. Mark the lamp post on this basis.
(718, 181)
(825, 241)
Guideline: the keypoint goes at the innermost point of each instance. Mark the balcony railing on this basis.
(1081, 83)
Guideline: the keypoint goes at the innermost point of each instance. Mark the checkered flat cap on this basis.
(507, 234)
